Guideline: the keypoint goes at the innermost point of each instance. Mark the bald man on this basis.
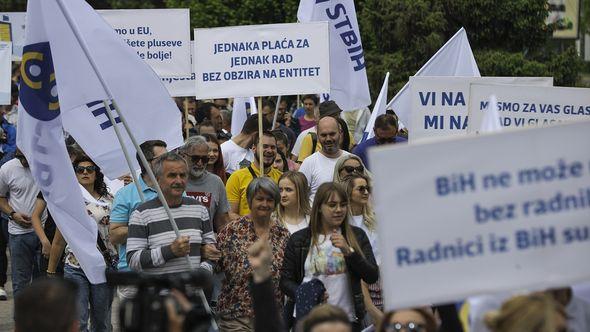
(319, 167)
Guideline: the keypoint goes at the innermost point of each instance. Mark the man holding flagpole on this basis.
(126, 201)
(152, 245)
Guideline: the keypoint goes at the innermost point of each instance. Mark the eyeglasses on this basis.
(81, 169)
(196, 158)
(364, 188)
(350, 169)
(409, 327)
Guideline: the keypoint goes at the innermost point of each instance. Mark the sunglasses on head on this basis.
(195, 159)
(89, 169)
(350, 169)
(409, 327)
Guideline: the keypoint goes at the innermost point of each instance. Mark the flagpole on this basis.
(260, 150)
(185, 120)
(121, 117)
(274, 120)
(133, 140)
(124, 148)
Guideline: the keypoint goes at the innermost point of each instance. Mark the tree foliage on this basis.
(509, 37)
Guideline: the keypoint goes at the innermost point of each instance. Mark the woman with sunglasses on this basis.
(358, 188)
(98, 205)
(346, 166)
(408, 320)
(333, 252)
(215, 163)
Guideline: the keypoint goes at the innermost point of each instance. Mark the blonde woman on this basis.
(358, 189)
(528, 313)
(293, 209)
(346, 166)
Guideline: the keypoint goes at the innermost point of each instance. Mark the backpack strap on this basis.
(314, 142)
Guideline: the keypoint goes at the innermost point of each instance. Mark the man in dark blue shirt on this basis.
(386, 132)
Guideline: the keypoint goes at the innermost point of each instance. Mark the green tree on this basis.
(509, 38)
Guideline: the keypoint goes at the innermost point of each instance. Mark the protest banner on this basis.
(257, 60)
(181, 86)
(524, 106)
(493, 223)
(440, 105)
(5, 72)
(163, 43)
(12, 28)
(454, 58)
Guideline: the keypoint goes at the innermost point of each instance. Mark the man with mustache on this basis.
(152, 245)
(239, 180)
(319, 167)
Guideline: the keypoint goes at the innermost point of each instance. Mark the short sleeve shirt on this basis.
(210, 192)
(18, 185)
(319, 169)
(235, 157)
(238, 183)
(125, 202)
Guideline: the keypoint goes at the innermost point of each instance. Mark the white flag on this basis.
(491, 119)
(455, 58)
(381, 102)
(40, 137)
(349, 87)
(240, 114)
(149, 110)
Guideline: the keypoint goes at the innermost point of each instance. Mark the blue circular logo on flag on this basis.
(38, 91)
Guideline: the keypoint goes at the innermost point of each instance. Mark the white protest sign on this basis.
(5, 72)
(516, 219)
(12, 28)
(440, 105)
(161, 37)
(262, 60)
(181, 86)
(524, 106)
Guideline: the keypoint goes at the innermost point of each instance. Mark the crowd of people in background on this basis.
(292, 247)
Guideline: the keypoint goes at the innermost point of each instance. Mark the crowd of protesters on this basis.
(292, 247)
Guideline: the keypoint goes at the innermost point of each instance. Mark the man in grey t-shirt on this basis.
(18, 193)
(205, 187)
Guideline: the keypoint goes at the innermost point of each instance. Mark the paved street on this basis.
(6, 322)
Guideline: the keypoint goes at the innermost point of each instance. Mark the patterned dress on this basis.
(233, 241)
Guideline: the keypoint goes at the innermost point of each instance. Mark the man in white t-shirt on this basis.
(18, 193)
(236, 152)
(319, 167)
